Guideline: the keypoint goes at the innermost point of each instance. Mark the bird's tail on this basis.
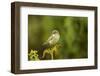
(44, 46)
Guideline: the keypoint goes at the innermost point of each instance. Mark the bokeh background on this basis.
(73, 34)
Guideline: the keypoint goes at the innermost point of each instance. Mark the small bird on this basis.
(53, 39)
(51, 42)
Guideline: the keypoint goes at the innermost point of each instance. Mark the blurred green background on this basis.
(73, 34)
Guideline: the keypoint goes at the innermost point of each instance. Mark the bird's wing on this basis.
(50, 38)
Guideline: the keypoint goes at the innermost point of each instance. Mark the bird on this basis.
(51, 42)
(53, 39)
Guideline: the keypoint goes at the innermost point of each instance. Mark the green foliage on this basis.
(33, 55)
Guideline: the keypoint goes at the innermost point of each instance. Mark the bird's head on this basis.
(55, 32)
